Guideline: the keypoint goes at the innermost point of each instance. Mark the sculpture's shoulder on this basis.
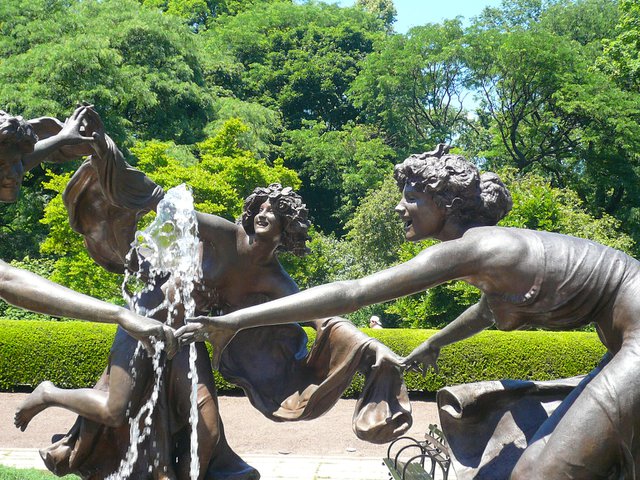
(508, 243)
(214, 229)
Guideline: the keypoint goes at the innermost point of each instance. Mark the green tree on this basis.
(298, 59)
(622, 52)
(338, 167)
(20, 229)
(383, 9)
(555, 114)
(588, 22)
(518, 97)
(413, 86)
(264, 125)
(139, 67)
(374, 232)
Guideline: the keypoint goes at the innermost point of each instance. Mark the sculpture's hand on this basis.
(144, 329)
(385, 356)
(212, 329)
(423, 357)
(74, 131)
(94, 127)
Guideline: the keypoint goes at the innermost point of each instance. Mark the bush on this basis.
(70, 354)
(74, 354)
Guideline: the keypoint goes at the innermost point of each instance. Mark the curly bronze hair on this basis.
(16, 131)
(288, 205)
(456, 185)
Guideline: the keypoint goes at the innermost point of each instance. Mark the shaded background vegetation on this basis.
(227, 95)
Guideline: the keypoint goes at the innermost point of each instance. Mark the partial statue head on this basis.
(287, 205)
(456, 186)
(17, 138)
(15, 131)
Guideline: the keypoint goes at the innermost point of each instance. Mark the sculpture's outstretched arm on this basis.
(32, 292)
(473, 320)
(446, 261)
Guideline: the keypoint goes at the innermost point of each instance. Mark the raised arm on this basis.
(32, 292)
(473, 320)
(57, 136)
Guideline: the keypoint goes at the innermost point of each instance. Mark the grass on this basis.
(8, 473)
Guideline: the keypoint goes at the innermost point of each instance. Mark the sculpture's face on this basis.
(11, 171)
(421, 216)
(17, 139)
(266, 223)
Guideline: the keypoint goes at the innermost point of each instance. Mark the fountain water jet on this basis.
(168, 250)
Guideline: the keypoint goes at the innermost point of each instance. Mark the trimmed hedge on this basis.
(74, 354)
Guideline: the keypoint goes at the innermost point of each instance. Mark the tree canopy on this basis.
(226, 95)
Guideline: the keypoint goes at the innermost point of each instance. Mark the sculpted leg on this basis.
(104, 407)
(107, 408)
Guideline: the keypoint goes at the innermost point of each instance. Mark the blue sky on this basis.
(419, 12)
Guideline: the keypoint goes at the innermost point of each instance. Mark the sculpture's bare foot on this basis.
(33, 405)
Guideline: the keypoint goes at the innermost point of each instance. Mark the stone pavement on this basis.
(321, 449)
(271, 467)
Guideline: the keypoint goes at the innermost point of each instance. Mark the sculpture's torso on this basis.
(576, 283)
(231, 281)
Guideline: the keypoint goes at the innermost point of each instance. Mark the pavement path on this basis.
(325, 448)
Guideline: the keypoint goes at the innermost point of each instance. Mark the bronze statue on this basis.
(23, 146)
(240, 268)
(528, 278)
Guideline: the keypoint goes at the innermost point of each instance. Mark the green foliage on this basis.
(74, 354)
(586, 21)
(496, 355)
(539, 206)
(139, 67)
(70, 354)
(413, 86)
(329, 260)
(382, 9)
(374, 232)
(338, 167)
(554, 113)
(519, 96)
(622, 52)
(20, 230)
(220, 172)
(263, 125)
(196, 13)
(9, 473)
(300, 59)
